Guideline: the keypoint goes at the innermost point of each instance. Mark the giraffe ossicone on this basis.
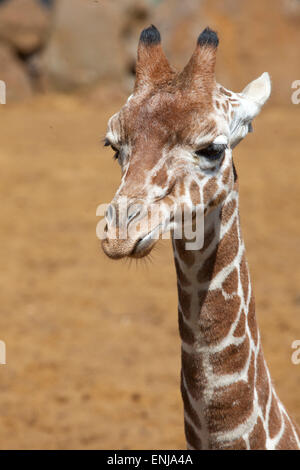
(173, 140)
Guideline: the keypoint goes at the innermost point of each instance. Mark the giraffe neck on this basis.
(229, 401)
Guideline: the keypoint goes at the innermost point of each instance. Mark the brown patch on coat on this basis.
(237, 444)
(185, 301)
(217, 316)
(218, 199)
(181, 188)
(192, 368)
(230, 285)
(209, 191)
(252, 320)
(257, 438)
(231, 359)
(208, 238)
(205, 272)
(251, 371)
(160, 178)
(202, 294)
(195, 193)
(192, 438)
(244, 276)
(288, 441)
(225, 92)
(183, 280)
(262, 382)
(241, 326)
(226, 175)
(227, 249)
(225, 107)
(230, 407)
(187, 256)
(186, 333)
(188, 408)
(224, 254)
(227, 211)
(274, 418)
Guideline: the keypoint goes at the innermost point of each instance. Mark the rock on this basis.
(87, 44)
(13, 73)
(292, 8)
(24, 24)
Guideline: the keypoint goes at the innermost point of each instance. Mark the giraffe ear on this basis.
(259, 90)
(152, 66)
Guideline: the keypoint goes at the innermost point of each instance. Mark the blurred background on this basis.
(93, 352)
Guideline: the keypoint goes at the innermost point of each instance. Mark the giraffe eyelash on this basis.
(212, 151)
(107, 143)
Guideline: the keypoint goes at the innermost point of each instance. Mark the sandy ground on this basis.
(92, 345)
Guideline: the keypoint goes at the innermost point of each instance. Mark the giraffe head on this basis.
(173, 140)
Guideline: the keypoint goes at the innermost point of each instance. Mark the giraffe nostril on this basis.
(133, 212)
(133, 215)
(110, 213)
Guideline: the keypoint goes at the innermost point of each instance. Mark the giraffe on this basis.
(173, 140)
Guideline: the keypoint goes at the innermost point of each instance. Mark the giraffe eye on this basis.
(107, 143)
(212, 152)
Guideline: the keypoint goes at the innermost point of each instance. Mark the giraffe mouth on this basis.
(144, 244)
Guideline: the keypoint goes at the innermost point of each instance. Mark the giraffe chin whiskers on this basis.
(142, 249)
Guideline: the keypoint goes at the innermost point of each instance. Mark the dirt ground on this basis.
(93, 352)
